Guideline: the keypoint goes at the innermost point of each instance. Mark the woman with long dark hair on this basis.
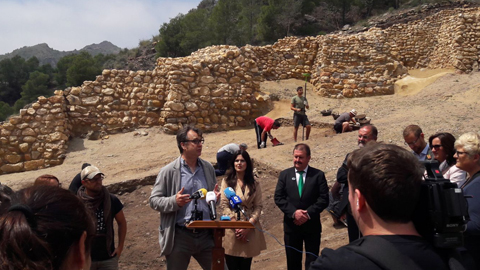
(442, 145)
(243, 244)
(45, 228)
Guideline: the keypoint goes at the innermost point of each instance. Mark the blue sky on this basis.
(72, 24)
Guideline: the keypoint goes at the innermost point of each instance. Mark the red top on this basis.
(265, 123)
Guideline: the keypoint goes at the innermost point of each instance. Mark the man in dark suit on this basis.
(301, 194)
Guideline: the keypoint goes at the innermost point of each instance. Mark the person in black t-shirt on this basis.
(383, 196)
(105, 207)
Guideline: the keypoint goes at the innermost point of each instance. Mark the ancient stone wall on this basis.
(218, 87)
(36, 138)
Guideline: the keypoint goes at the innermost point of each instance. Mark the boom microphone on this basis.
(199, 194)
(211, 200)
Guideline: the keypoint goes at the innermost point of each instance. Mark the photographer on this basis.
(384, 189)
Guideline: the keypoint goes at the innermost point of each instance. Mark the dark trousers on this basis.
(296, 240)
(223, 161)
(258, 131)
(238, 263)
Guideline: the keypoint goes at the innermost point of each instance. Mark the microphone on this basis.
(199, 194)
(211, 200)
(229, 192)
(234, 201)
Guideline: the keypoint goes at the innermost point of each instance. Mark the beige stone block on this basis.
(91, 101)
(34, 164)
(28, 132)
(56, 99)
(108, 91)
(57, 136)
(29, 139)
(56, 110)
(13, 158)
(11, 168)
(191, 106)
(207, 79)
(16, 119)
(24, 147)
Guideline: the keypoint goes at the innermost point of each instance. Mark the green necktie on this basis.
(300, 183)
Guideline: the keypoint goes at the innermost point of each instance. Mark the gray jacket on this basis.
(162, 199)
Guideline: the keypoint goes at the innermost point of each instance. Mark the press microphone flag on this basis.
(199, 194)
(234, 201)
(211, 200)
(229, 192)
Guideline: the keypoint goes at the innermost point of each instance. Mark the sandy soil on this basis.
(436, 100)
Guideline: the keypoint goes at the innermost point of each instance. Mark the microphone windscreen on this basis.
(203, 193)
(229, 192)
(211, 197)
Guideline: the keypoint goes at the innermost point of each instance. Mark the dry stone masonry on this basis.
(218, 87)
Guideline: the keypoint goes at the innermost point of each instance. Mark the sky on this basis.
(67, 25)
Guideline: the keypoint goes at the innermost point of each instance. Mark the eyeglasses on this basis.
(435, 146)
(196, 141)
(412, 143)
(460, 153)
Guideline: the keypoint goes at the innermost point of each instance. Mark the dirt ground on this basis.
(437, 100)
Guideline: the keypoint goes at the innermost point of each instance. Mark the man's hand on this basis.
(181, 198)
(117, 251)
(300, 217)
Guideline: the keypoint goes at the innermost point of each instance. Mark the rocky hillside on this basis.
(47, 55)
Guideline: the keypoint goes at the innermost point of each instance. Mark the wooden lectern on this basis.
(218, 252)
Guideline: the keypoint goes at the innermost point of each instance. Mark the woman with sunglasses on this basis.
(442, 145)
(243, 244)
(468, 159)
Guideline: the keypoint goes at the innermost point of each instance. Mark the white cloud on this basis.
(73, 24)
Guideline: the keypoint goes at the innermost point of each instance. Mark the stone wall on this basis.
(218, 87)
(36, 138)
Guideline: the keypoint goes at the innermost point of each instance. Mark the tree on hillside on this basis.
(62, 66)
(35, 86)
(171, 35)
(249, 14)
(268, 28)
(5, 110)
(83, 68)
(14, 73)
(224, 21)
(289, 11)
(197, 34)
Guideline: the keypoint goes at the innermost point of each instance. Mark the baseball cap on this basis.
(90, 172)
(354, 112)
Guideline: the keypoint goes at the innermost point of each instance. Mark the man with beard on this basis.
(301, 194)
(366, 134)
(104, 208)
(415, 139)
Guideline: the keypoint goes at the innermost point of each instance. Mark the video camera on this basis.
(442, 211)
